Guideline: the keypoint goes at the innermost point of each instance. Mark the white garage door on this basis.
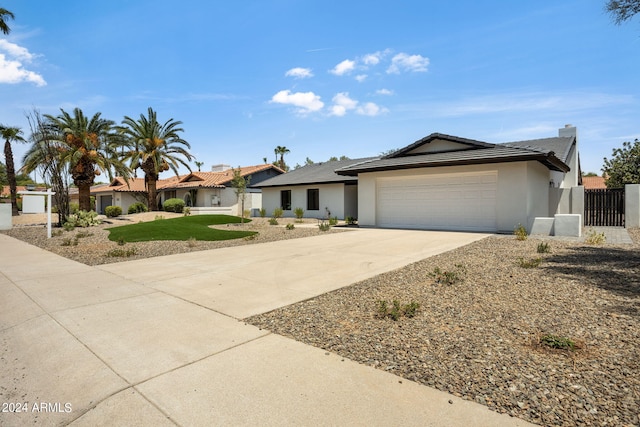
(464, 201)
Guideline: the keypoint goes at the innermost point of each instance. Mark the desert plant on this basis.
(122, 253)
(74, 208)
(449, 277)
(173, 205)
(83, 234)
(299, 213)
(121, 241)
(558, 342)
(324, 226)
(595, 238)
(277, 213)
(82, 219)
(529, 263)
(69, 241)
(396, 310)
(192, 242)
(56, 233)
(520, 232)
(290, 226)
(158, 218)
(333, 221)
(112, 211)
(544, 248)
(350, 220)
(251, 237)
(186, 211)
(137, 207)
(263, 212)
(68, 226)
(273, 221)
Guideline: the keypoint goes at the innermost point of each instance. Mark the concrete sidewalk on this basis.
(158, 341)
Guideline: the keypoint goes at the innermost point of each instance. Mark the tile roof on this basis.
(315, 173)
(6, 190)
(593, 182)
(119, 184)
(552, 152)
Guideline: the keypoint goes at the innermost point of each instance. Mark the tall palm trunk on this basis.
(152, 193)
(84, 196)
(11, 177)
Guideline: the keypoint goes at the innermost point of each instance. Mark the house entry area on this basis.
(462, 201)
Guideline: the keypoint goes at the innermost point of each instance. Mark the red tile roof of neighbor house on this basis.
(192, 180)
(593, 182)
(6, 190)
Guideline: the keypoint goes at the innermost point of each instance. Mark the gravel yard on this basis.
(478, 338)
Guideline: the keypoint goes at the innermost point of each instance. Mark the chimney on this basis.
(568, 130)
(220, 168)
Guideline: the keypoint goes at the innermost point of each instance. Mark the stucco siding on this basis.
(331, 198)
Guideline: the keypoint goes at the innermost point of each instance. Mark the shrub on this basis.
(263, 212)
(191, 242)
(544, 248)
(277, 213)
(113, 211)
(594, 238)
(273, 221)
(137, 207)
(121, 241)
(396, 310)
(299, 213)
(83, 234)
(333, 221)
(451, 277)
(324, 226)
(74, 208)
(520, 232)
(290, 226)
(350, 220)
(82, 219)
(529, 263)
(558, 342)
(246, 213)
(122, 253)
(186, 211)
(69, 241)
(158, 218)
(173, 205)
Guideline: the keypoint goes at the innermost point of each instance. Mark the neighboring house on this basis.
(593, 183)
(452, 183)
(204, 192)
(315, 188)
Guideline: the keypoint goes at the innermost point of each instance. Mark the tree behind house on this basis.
(624, 165)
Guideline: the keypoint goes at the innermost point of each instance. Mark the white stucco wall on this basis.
(522, 191)
(332, 197)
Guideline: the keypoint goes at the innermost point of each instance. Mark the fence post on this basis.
(632, 205)
(577, 200)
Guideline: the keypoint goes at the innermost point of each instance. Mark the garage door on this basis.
(464, 201)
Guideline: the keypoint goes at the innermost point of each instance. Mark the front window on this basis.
(285, 200)
(313, 199)
(171, 194)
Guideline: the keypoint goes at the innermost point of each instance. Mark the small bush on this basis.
(173, 205)
(158, 218)
(594, 238)
(558, 342)
(56, 233)
(520, 232)
(83, 234)
(68, 226)
(273, 221)
(69, 241)
(324, 226)
(333, 221)
(529, 263)
(263, 212)
(299, 213)
(277, 213)
(396, 310)
(290, 226)
(350, 220)
(122, 253)
(74, 208)
(82, 219)
(186, 211)
(544, 248)
(456, 275)
(121, 241)
(137, 207)
(113, 211)
(250, 237)
(192, 242)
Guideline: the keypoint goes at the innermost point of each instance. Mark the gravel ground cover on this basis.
(92, 246)
(480, 337)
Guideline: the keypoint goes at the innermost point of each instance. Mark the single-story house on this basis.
(453, 183)
(315, 188)
(205, 192)
(594, 183)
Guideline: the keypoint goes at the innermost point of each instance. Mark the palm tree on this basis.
(87, 146)
(4, 15)
(281, 151)
(198, 164)
(11, 134)
(155, 148)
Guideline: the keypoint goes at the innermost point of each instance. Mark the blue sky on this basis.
(329, 78)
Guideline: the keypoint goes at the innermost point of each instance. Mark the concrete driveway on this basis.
(158, 341)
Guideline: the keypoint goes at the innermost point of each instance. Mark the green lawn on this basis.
(182, 228)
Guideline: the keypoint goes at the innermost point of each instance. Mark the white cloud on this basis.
(12, 69)
(384, 92)
(345, 67)
(371, 109)
(375, 58)
(299, 73)
(307, 102)
(404, 62)
(361, 77)
(342, 103)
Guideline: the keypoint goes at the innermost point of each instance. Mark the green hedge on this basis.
(173, 205)
(137, 207)
(113, 211)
